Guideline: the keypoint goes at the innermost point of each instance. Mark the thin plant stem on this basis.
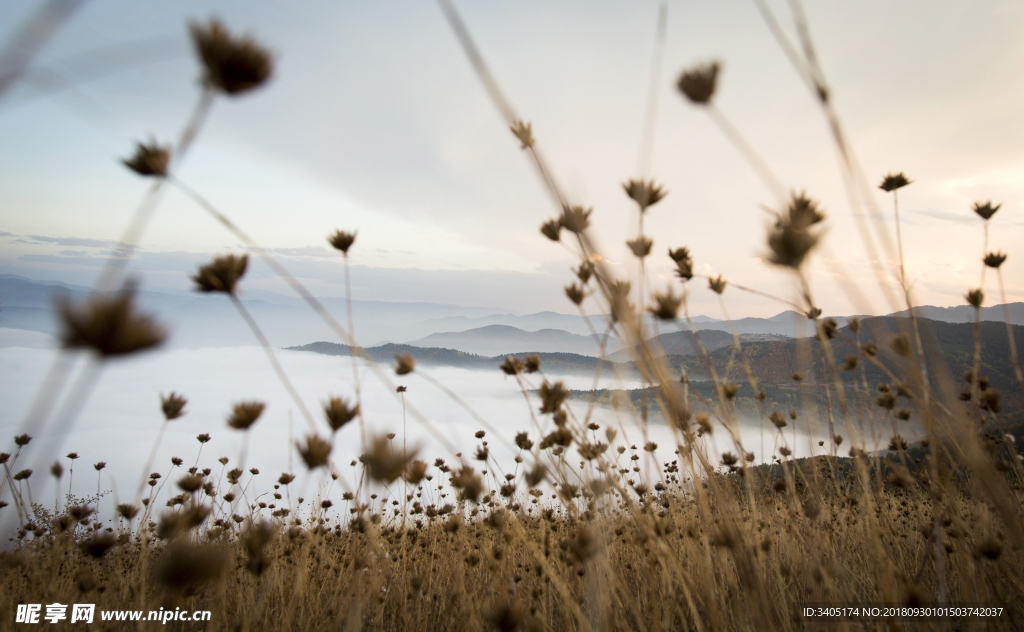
(272, 357)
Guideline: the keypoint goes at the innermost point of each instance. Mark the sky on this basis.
(375, 122)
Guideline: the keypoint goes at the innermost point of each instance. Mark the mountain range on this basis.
(203, 320)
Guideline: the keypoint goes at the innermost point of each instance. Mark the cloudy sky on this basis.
(375, 122)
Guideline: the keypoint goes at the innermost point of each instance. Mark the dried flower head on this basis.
(644, 193)
(698, 83)
(99, 466)
(986, 210)
(149, 159)
(315, 451)
(222, 274)
(415, 472)
(127, 511)
(994, 259)
(975, 298)
(641, 246)
(552, 396)
(173, 406)
(57, 470)
(244, 414)
(468, 483)
(666, 305)
(829, 327)
(584, 271)
(791, 238)
(339, 412)
(894, 181)
(575, 293)
(575, 219)
(900, 344)
(684, 263)
(185, 565)
(109, 325)
(190, 483)
(342, 240)
(231, 64)
(552, 229)
(523, 441)
(405, 364)
(512, 366)
(532, 363)
(717, 285)
(22, 440)
(524, 132)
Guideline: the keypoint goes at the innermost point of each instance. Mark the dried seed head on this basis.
(415, 472)
(791, 238)
(552, 396)
(854, 324)
(532, 363)
(184, 565)
(406, 364)
(315, 451)
(512, 366)
(222, 274)
(898, 443)
(149, 159)
(829, 327)
(109, 325)
(994, 259)
(684, 263)
(98, 543)
(468, 483)
(523, 441)
(231, 64)
(172, 405)
(699, 82)
(666, 305)
(900, 344)
(285, 478)
(717, 285)
(339, 412)
(975, 298)
(190, 483)
(552, 229)
(575, 293)
(777, 419)
(127, 511)
(730, 389)
(244, 414)
(641, 246)
(22, 440)
(584, 271)
(342, 240)
(986, 210)
(57, 470)
(203, 438)
(894, 181)
(575, 219)
(524, 132)
(644, 193)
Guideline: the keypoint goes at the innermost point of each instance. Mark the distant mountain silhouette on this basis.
(493, 340)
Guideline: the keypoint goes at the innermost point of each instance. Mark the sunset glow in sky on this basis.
(375, 122)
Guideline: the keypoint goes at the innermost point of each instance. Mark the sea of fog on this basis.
(120, 420)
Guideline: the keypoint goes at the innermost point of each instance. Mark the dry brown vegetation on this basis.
(579, 535)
